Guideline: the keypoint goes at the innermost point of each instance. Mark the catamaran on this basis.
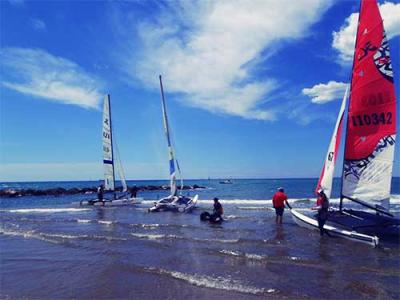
(369, 143)
(109, 166)
(175, 201)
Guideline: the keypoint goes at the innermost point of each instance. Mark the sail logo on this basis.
(382, 60)
(354, 169)
(367, 48)
(330, 156)
(373, 99)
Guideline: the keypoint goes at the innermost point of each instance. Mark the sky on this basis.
(253, 88)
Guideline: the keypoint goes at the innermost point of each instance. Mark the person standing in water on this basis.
(134, 191)
(100, 193)
(322, 207)
(218, 210)
(278, 200)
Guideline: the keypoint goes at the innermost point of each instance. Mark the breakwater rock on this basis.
(13, 193)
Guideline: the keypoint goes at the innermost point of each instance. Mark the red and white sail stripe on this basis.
(326, 177)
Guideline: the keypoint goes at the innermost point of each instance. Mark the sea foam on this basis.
(219, 282)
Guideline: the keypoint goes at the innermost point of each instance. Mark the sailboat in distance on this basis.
(109, 165)
(175, 201)
(369, 142)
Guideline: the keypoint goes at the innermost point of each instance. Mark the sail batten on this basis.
(371, 120)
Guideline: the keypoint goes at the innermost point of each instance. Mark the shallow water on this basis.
(52, 249)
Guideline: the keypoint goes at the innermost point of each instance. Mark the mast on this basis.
(112, 146)
(347, 123)
(167, 134)
(371, 120)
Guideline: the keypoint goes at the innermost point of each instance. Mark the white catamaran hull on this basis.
(117, 202)
(169, 204)
(311, 223)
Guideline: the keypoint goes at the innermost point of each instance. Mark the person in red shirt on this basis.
(278, 200)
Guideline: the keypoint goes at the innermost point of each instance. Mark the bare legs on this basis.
(278, 219)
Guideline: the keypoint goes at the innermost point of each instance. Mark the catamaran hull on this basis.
(311, 223)
(117, 202)
(174, 207)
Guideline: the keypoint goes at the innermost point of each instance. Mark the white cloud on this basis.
(207, 51)
(325, 92)
(38, 24)
(344, 39)
(40, 74)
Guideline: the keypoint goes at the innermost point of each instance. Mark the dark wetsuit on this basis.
(218, 211)
(100, 194)
(322, 215)
(134, 191)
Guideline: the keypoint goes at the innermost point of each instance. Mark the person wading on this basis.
(218, 210)
(322, 207)
(100, 193)
(278, 200)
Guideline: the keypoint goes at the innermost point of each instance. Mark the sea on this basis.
(51, 248)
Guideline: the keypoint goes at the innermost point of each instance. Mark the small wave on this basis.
(83, 221)
(231, 217)
(228, 252)
(81, 237)
(151, 226)
(240, 254)
(27, 234)
(45, 210)
(156, 236)
(63, 236)
(253, 208)
(238, 202)
(177, 237)
(105, 222)
(275, 260)
(219, 282)
(156, 226)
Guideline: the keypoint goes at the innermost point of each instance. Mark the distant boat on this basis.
(227, 181)
(369, 143)
(109, 165)
(175, 201)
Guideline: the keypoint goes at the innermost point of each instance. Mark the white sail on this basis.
(172, 172)
(326, 178)
(370, 178)
(108, 159)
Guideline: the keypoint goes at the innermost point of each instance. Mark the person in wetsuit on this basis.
(100, 193)
(322, 207)
(134, 191)
(218, 210)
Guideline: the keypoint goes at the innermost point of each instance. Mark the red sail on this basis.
(372, 110)
(371, 123)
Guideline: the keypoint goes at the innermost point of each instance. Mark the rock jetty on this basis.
(13, 193)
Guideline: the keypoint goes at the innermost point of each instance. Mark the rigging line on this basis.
(120, 167)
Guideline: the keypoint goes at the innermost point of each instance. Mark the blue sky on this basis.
(252, 87)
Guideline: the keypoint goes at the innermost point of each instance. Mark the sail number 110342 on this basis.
(372, 119)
